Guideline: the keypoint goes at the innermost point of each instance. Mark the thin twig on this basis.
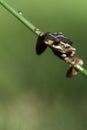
(19, 16)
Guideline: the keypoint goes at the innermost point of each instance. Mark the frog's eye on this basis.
(55, 43)
(57, 40)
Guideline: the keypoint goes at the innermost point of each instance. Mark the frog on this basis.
(62, 47)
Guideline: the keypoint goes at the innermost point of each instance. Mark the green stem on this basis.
(80, 68)
(30, 26)
(19, 16)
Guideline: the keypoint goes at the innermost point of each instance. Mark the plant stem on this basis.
(30, 26)
(19, 16)
(80, 68)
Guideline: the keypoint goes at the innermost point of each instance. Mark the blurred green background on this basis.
(34, 91)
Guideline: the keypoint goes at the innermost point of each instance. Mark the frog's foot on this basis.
(72, 71)
(77, 61)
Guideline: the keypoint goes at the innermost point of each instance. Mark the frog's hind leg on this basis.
(40, 45)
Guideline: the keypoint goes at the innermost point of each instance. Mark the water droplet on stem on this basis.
(20, 12)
